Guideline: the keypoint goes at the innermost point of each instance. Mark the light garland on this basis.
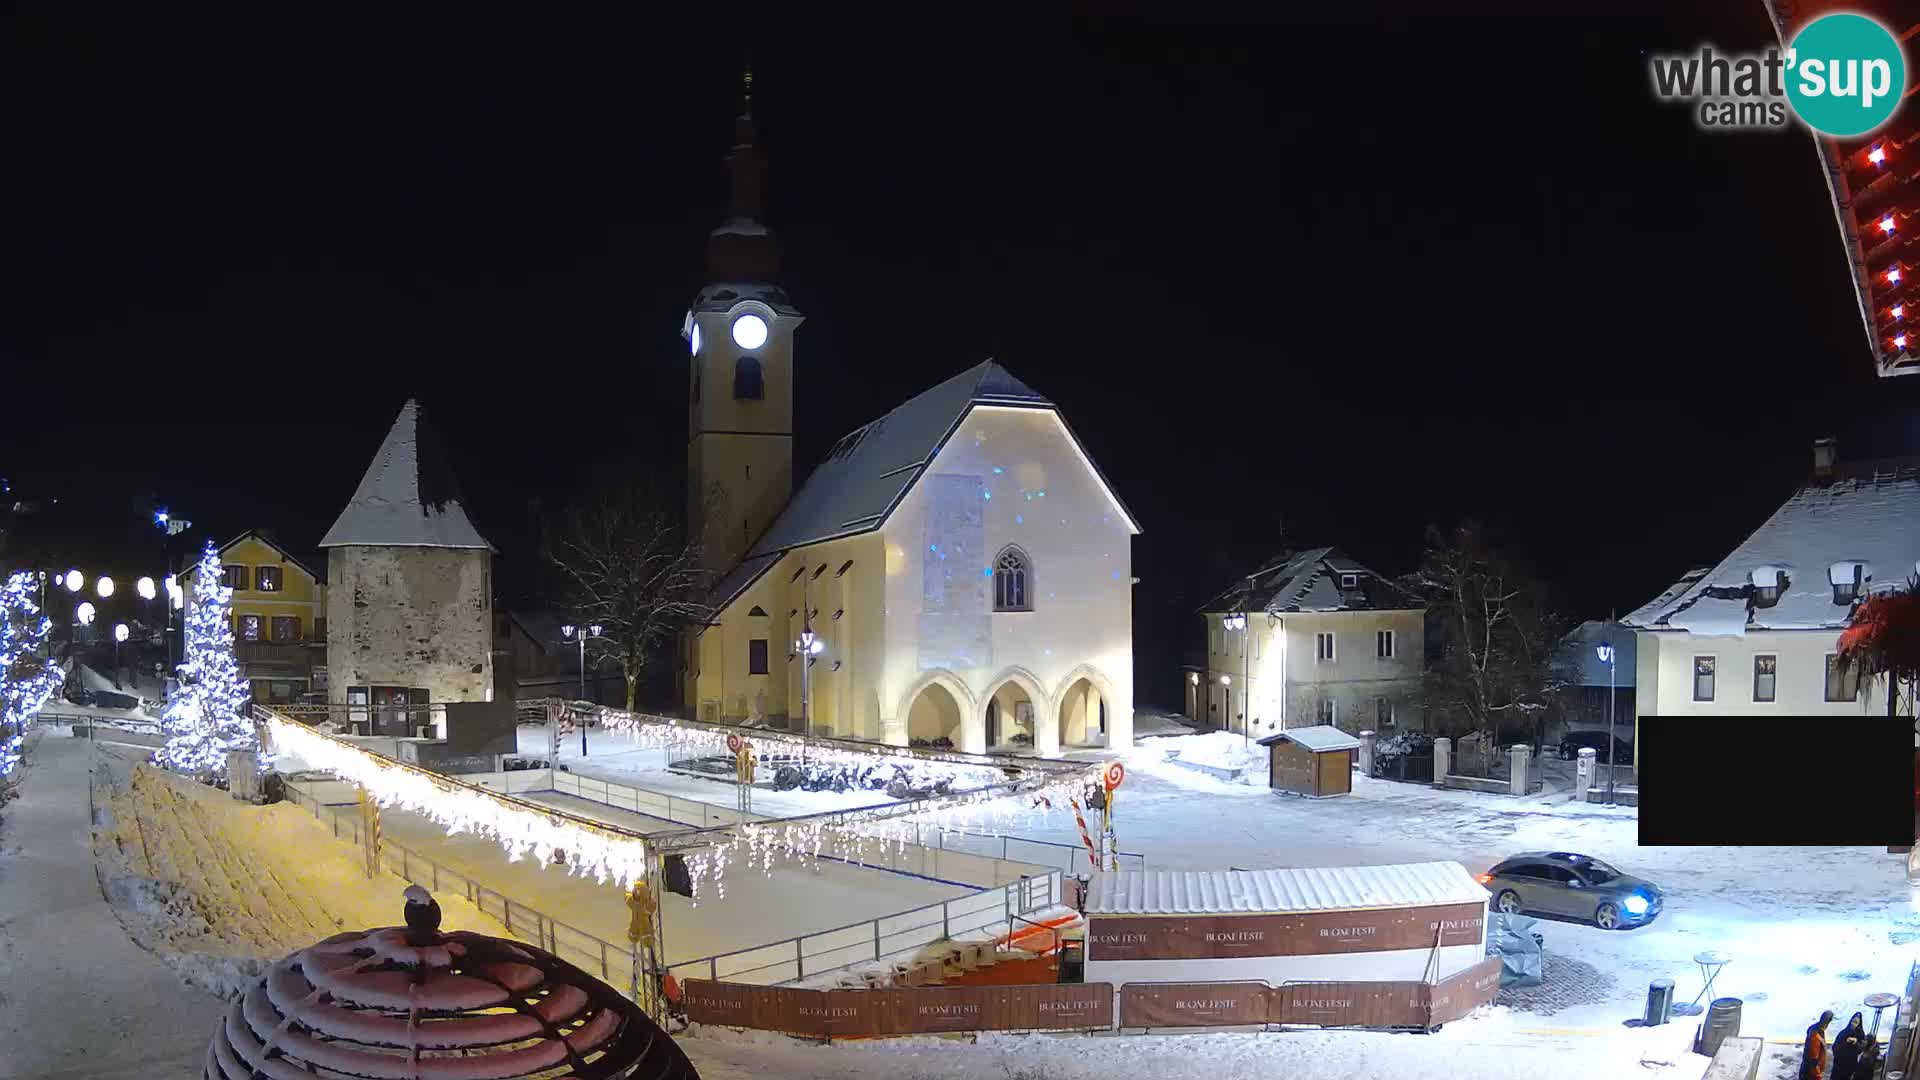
(606, 853)
(27, 679)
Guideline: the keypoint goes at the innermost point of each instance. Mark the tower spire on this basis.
(742, 249)
(746, 92)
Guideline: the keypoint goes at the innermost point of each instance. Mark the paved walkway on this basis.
(79, 998)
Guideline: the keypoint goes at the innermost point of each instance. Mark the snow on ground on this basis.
(221, 888)
(77, 998)
(757, 908)
(1488, 1047)
(1216, 749)
(1808, 928)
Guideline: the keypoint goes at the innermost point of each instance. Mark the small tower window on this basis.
(747, 382)
(1012, 581)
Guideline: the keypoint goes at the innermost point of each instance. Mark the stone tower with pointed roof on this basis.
(409, 602)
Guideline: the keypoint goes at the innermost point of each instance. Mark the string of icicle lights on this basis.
(608, 856)
(877, 835)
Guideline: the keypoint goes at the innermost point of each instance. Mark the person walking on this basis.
(1849, 1050)
(1813, 1053)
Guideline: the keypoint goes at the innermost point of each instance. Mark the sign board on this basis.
(914, 1010)
(1309, 933)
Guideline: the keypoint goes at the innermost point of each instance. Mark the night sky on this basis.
(1355, 277)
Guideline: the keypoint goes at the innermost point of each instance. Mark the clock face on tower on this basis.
(693, 339)
(749, 331)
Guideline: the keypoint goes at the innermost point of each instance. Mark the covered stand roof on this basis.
(1338, 888)
(868, 472)
(1310, 581)
(408, 498)
(1866, 513)
(1319, 738)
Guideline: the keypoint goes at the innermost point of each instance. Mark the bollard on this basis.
(1659, 1002)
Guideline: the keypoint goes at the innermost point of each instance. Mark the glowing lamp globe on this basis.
(105, 586)
(145, 588)
(74, 581)
(749, 331)
(411, 1001)
(119, 631)
(84, 613)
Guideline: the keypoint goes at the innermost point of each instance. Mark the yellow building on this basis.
(279, 617)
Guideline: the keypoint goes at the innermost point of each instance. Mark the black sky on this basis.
(1354, 275)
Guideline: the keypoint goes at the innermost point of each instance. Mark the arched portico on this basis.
(1000, 711)
(970, 730)
(1083, 708)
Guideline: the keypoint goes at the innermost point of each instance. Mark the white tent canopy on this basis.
(1178, 892)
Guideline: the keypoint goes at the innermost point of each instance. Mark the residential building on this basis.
(1757, 633)
(409, 598)
(546, 663)
(961, 568)
(279, 615)
(1593, 687)
(1311, 637)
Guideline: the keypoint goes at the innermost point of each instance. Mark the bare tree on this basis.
(629, 566)
(1492, 663)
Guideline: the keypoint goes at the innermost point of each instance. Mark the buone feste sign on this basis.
(1213, 937)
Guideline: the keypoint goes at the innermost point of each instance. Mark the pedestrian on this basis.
(1849, 1050)
(1813, 1053)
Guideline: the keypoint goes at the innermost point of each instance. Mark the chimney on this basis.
(1824, 453)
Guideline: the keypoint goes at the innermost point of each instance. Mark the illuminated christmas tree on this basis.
(27, 679)
(207, 715)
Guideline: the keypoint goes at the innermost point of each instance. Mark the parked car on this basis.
(1574, 886)
(1596, 741)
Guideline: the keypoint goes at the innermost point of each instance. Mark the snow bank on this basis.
(219, 888)
(1168, 759)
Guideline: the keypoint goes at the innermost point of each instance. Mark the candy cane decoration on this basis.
(1084, 838)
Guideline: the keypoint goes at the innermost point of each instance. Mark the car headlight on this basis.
(1635, 904)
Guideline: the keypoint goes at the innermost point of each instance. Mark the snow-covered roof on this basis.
(1310, 581)
(1319, 738)
(408, 498)
(868, 472)
(1867, 513)
(1334, 888)
(1577, 661)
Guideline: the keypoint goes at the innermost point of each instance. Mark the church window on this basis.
(844, 567)
(757, 656)
(1012, 581)
(817, 573)
(759, 611)
(796, 575)
(747, 382)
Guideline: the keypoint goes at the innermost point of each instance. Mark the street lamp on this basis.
(74, 580)
(119, 635)
(582, 634)
(105, 586)
(809, 646)
(1605, 652)
(84, 613)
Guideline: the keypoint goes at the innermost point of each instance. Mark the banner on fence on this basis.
(1207, 1004)
(1351, 1004)
(917, 1010)
(1211, 937)
(1317, 1004)
(1458, 995)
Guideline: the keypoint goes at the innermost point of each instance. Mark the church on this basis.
(955, 573)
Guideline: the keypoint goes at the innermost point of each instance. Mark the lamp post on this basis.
(809, 646)
(582, 634)
(170, 527)
(1605, 652)
(1239, 623)
(119, 635)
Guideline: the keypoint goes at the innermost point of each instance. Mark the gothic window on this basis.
(747, 383)
(1012, 581)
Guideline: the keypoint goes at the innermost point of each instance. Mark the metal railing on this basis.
(874, 940)
(612, 963)
(675, 808)
(1074, 859)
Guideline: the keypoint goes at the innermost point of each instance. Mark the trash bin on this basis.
(1722, 1022)
(1659, 1002)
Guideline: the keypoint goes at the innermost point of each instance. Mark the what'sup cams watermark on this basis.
(1842, 75)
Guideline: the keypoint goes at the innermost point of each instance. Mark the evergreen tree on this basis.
(27, 679)
(207, 715)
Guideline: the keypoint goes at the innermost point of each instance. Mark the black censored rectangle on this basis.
(1776, 781)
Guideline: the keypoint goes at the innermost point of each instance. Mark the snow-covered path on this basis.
(79, 999)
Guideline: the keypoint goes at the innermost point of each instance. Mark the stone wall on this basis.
(410, 616)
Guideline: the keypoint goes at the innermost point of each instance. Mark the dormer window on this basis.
(1349, 581)
(1847, 578)
(1768, 581)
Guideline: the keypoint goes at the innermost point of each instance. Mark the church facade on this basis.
(957, 572)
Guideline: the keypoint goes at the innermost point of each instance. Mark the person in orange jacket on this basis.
(1813, 1056)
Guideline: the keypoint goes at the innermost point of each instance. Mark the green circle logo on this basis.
(1845, 74)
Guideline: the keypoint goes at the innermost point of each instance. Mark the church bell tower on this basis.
(740, 398)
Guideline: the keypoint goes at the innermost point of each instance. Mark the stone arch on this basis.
(1076, 722)
(1043, 713)
(971, 729)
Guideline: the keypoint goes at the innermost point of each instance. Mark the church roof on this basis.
(872, 468)
(408, 498)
